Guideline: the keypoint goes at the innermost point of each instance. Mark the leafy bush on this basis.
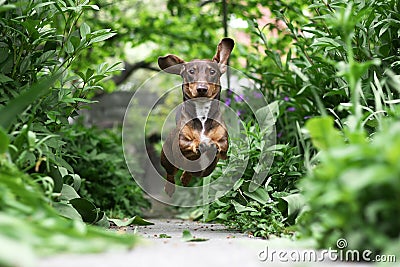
(353, 192)
(39, 92)
(273, 205)
(30, 227)
(97, 156)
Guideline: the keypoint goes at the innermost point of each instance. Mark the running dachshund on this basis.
(200, 138)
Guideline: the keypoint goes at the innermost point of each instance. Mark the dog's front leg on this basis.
(189, 141)
(219, 136)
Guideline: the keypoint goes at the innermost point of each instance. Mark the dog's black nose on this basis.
(202, 89)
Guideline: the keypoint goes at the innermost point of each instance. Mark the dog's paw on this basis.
(205, 147)
(222, 155)
(169, 188)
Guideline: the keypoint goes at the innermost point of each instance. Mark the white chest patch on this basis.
(202, 110)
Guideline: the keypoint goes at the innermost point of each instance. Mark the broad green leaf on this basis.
(66, 210)
(260, 194)
(103, 222)
(323, 134)
(295, 202)
(223, 216)
(84, 30)
(69, 48)
(188, 237)
(68, 193)
(76, 180)
(135, 220)
(86, 209)
(4, 78)
(61, 162)
(7, 7)
(238, 184)
(240, 208)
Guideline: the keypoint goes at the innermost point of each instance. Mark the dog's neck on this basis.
(198, 108)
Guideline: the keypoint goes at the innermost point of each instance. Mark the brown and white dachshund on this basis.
(200, 138)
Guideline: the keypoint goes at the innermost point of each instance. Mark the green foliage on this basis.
(40, 89)
(40, 93)
(30, 227)
(303, 51)
(353, 192)
(96, 155)
(262, 211)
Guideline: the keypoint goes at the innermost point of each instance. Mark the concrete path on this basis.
(223, 248)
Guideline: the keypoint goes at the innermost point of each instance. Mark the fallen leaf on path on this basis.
(188, 237)
(136, 220)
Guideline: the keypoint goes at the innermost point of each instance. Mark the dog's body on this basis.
(200, 138)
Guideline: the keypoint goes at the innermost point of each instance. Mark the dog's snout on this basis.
(201, 89)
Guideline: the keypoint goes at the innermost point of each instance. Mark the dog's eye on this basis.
(212, 72)
(191, 71)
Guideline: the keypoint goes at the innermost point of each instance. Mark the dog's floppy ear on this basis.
(224, 50)
(171, 64)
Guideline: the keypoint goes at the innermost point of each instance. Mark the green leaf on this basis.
(102, 37)
(61, 162)
(67, 211)
(223, 216)
(164, 236)
(84, 30)
(4, 141)
(7, 7)
(294, 204)
(68, 193)
(187, 237)
(17, 105)
(103, 222)
(135, 220)
(323, 134)
(238, 184)
(31, 139)
(260, 195)
(94, 7)
(240, 208)
(76, 180)
(4, 78)
(86, 209)
(57, 178)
